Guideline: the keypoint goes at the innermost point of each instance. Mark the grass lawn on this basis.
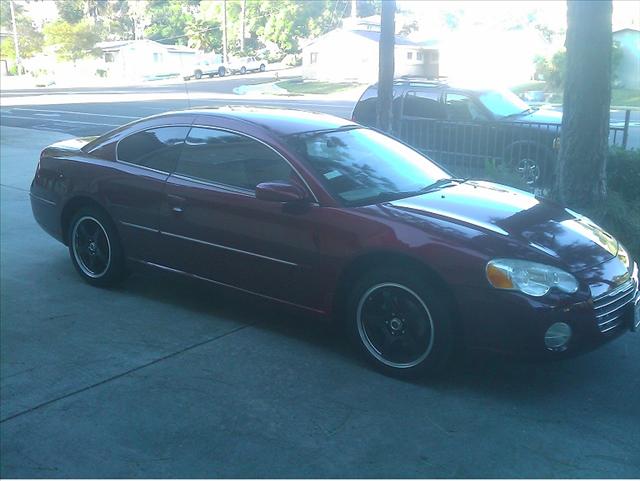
(314, 87)
(619, 97)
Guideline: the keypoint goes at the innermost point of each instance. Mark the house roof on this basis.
(375, 37)
(399, 40)
(631, 29)
(112, 46)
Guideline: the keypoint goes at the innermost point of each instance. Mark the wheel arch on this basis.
(71, 207)
(377, 259)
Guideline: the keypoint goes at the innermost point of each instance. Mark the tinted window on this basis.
(425, 104)
(154, 148)
(231, 159)
(361, 166)
(503, 103)
(462, 107)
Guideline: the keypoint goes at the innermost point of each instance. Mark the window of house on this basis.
(409, 55)
(424, 104)
(419, 56)
(230, 159)
(314, 57)
(157, 57)
(157, 149)
(109, 58)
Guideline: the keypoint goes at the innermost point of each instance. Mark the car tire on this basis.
(243, 70)
(222, 72)
(95, 248)
(198, 74)
(400, 323)
(263, 67)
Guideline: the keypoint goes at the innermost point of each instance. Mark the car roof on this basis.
(426, 83)
(281, 121)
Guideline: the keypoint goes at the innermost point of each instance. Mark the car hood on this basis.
(573, 240)
(542, 116)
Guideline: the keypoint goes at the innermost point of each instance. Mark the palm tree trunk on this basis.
(386, 65)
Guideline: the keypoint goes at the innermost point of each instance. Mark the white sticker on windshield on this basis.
(332, 174)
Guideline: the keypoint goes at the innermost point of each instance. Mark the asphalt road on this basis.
(163, 377)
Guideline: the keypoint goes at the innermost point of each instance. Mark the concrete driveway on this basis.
(166, 378)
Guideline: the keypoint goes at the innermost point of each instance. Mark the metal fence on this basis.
(471, 148)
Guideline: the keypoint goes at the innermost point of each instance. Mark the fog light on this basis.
(557, 336)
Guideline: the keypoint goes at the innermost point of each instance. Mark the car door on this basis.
(468, 133)
(134, 192)
(423, 116)
(217, 229)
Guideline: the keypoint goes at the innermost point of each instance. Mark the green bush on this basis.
(623, 173)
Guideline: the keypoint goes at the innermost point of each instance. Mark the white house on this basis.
(352, 54)
(144, 59)
(628, 72)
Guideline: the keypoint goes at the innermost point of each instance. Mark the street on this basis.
(165, 377)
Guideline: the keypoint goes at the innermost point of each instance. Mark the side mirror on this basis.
(280, 191)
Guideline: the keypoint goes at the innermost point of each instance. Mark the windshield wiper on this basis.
(441, 184)
(525, 111)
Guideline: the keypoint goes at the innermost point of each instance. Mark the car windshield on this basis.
(503, 103)
(361, 166)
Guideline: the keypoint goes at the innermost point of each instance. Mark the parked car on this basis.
(243, 65)
(337, 220)
(205, 67)
(460, 125)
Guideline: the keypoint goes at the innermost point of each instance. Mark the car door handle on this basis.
(177, 203)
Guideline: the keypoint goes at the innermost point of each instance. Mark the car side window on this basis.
(462, 107)
(157, 148)
(231, 159)
(424, 104)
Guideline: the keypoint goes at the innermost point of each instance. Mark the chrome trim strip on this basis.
(226, 187)
(613, 301)
(195, 276)
(141, 227)
(198, 241)
(622, 287)
(613, 310)
(46, 201)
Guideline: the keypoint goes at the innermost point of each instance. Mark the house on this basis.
(352, 54)
(144, 59)
(628, 71)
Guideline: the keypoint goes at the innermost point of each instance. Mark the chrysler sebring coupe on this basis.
(330, 217)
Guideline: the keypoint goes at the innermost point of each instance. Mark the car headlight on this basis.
(529, 277)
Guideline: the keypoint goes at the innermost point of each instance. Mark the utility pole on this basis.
(15, 38)
(243, 13)
(354, 8)
(224, 32)
(386, 65)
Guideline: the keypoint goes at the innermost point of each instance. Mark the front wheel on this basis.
(95, 248)
(529, 164)
(263, 67)
(400, 323)
(222, 72)
(243, 70)
(198, 74)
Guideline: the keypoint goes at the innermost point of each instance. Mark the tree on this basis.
(73, 41)
(581, 172)
(386, 65)
(168, 20)
(71, 11)
(29, 38)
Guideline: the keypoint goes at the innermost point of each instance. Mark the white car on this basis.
(247, 64)
(209, 66)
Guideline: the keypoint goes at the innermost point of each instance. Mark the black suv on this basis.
(467, 129)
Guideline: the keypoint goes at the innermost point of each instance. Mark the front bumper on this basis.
(514, 323)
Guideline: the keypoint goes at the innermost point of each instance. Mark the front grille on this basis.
(611, 307)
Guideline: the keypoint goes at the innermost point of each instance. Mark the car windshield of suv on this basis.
(361, 166)
(503, 103)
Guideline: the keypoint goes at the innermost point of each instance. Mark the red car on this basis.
(334, 218)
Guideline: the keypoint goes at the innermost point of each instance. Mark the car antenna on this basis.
(186, 88)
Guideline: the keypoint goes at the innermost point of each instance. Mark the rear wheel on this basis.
(529, 164)
(222, 72)
(243, 70)
(95, 248)
(400, 323)
(263, 67)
